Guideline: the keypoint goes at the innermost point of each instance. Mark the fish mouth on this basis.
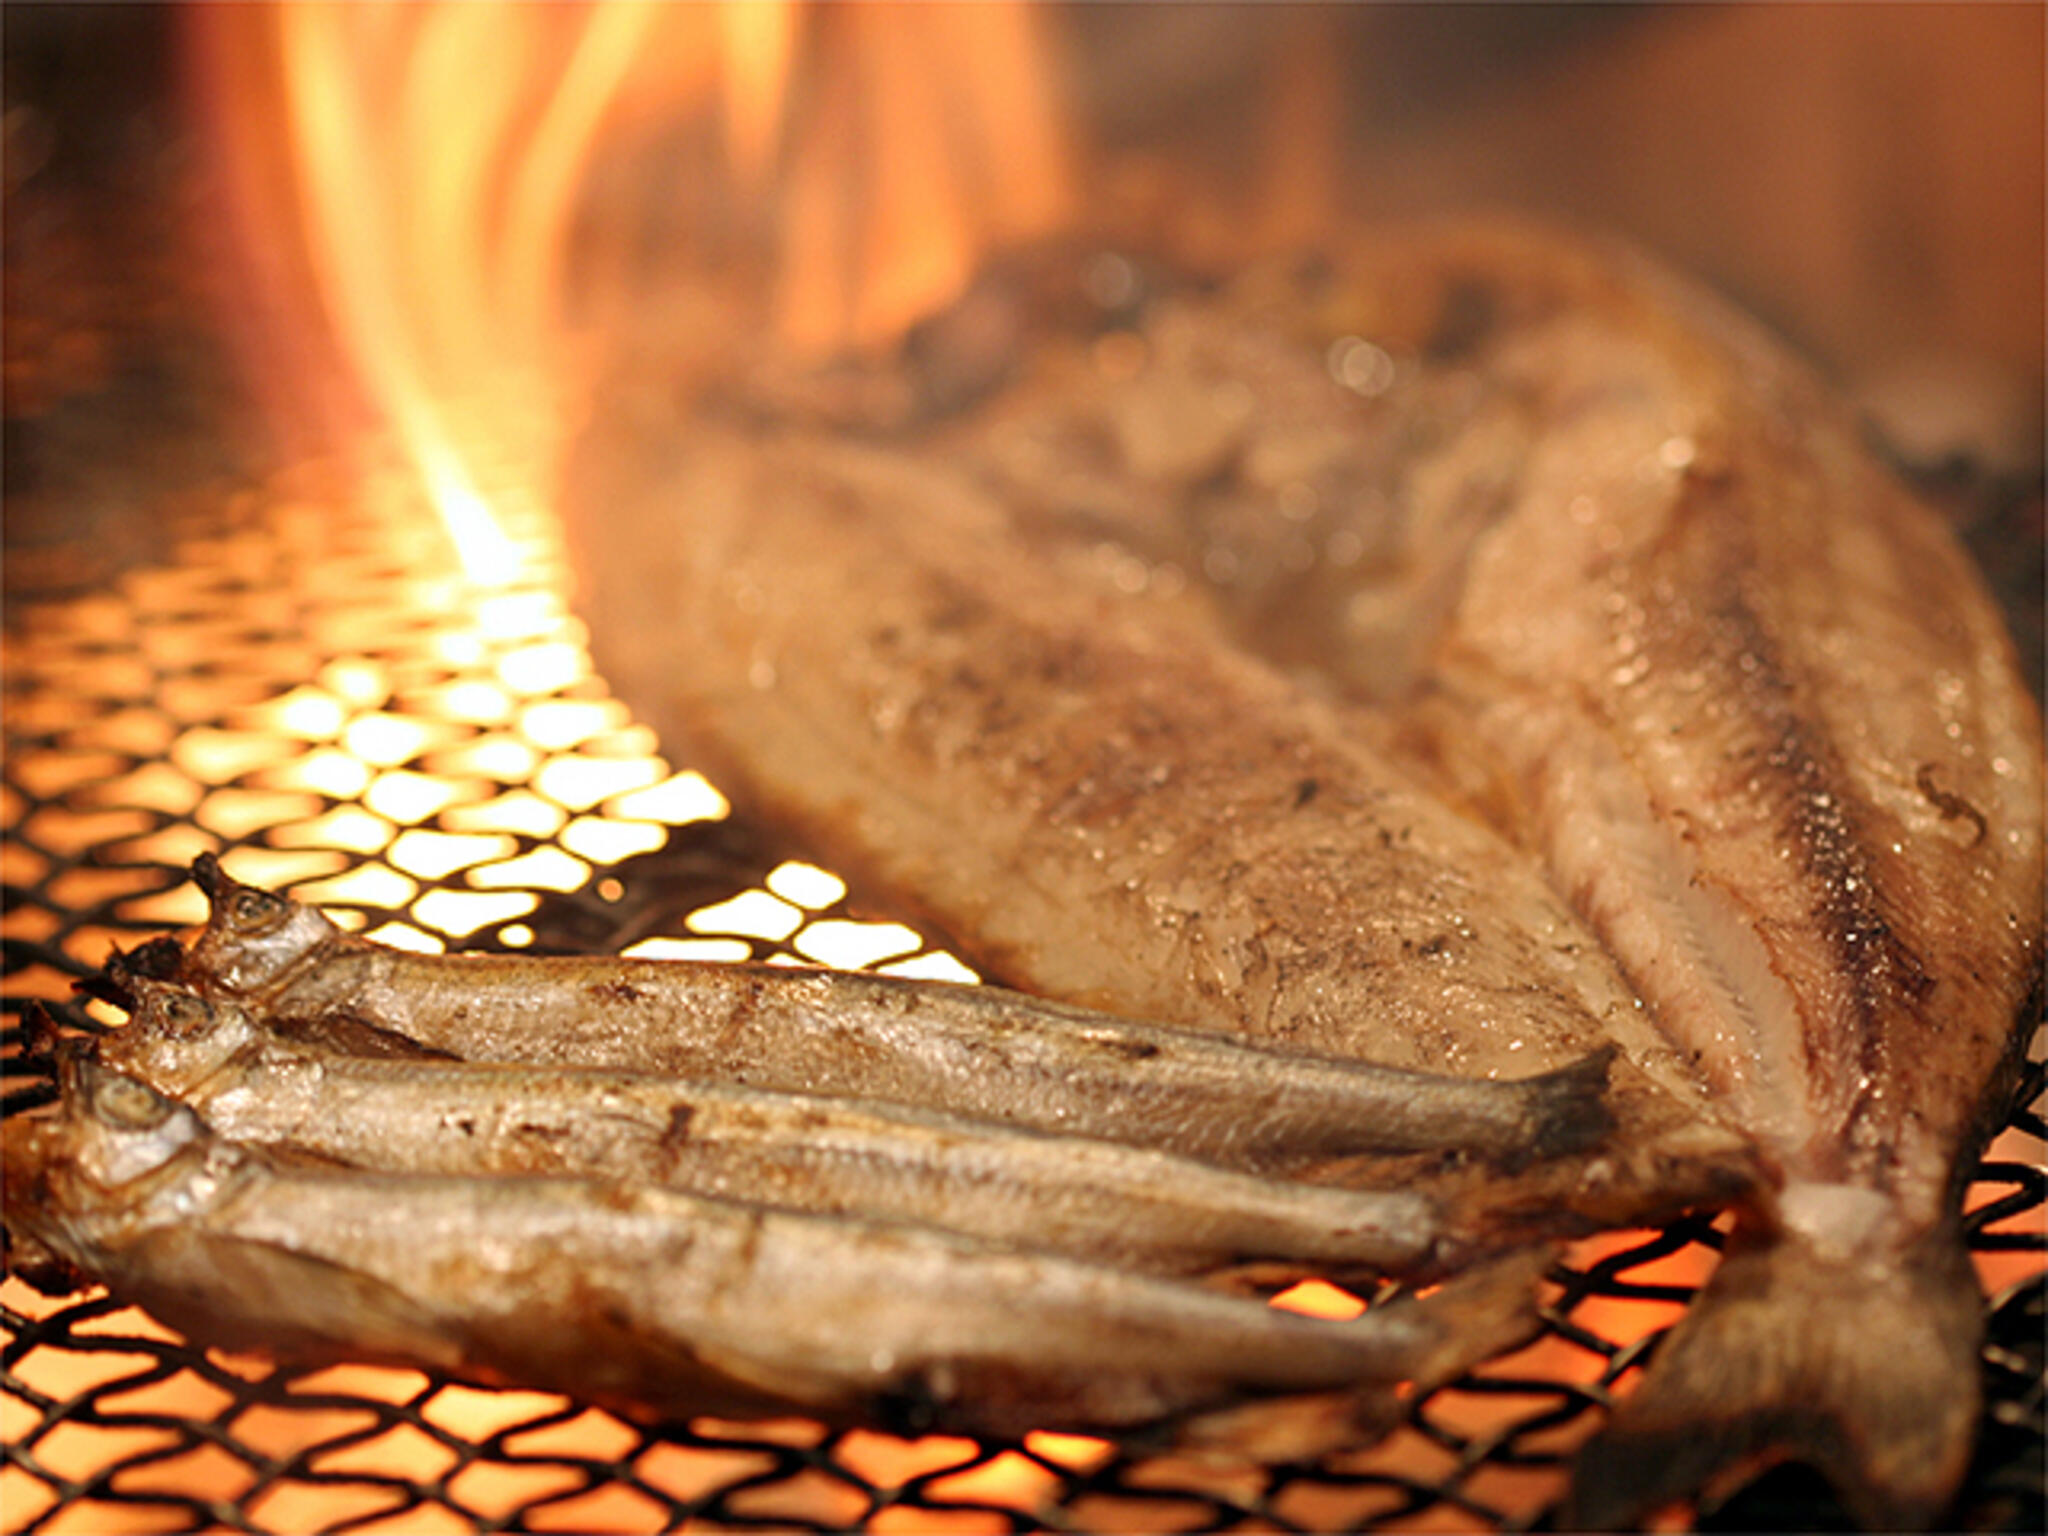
(253, 937)
(240, 910)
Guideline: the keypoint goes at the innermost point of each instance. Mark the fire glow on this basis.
(443, 168)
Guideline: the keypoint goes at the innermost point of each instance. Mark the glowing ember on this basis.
(1318, 1298)
(806, 884)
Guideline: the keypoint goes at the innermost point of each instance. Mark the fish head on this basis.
(253, 938)
(175, 1038)
(116, 1130)
(93, 1181)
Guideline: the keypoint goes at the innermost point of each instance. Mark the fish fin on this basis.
(42, 1269)
(159, 959)
(1488, 1310)
(348, 1034)
(211, 876)
(40, 1034)
(1864, 1368)
(1303, 1427)
(245, 1292)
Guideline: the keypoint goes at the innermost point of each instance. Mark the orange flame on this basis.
(471, 183)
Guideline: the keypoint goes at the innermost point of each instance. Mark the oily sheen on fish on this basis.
(659, 1301)
(977, 1051)
(1089, 1198)
(1772, 740)
(1604, 564)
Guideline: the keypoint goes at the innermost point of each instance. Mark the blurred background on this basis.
(1867, 177)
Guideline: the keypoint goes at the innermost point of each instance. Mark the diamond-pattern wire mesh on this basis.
(308, 684)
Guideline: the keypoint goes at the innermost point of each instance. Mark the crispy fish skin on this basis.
(1091, 1199)
(1655, 612)
(975, 1051)
(655, 1300)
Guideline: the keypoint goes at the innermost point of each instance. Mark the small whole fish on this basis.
(669, 1303)
(1092, 1199)
(979, 1052)
(1484, 641)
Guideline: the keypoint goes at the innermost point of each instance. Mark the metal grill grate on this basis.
(306, 682)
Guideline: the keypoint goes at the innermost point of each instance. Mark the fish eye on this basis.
(184, 1014)
(253, 909)
(123, 1102)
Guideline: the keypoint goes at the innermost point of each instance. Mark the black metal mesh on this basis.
(305, 681)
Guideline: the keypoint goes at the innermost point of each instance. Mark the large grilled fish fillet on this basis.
(1606, 564)
(1772, 740)
(1620, 580)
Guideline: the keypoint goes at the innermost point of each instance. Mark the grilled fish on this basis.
(1767, 731)
(1624, 582)
(1190, 692)
(974, 1051)
(1086, 1198)
(663, 1302)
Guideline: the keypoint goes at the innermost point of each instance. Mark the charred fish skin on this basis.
(1660, 617)
(980, 1051)
(1093, 1199)
(654, 1300)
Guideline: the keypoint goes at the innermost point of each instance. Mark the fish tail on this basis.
(1863, 1367)
(1568, 1110)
